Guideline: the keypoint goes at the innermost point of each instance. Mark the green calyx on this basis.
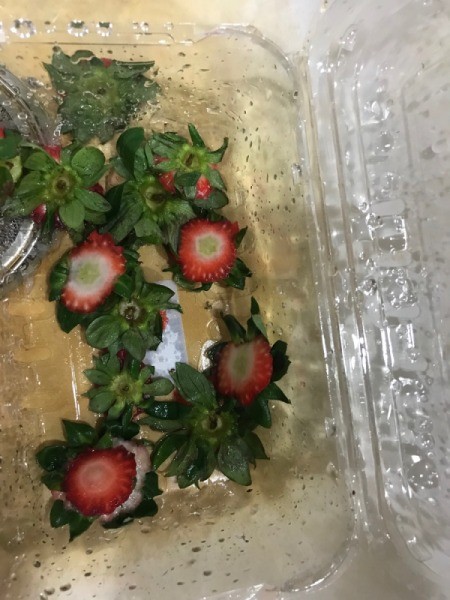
(79, 437)
(141, 207)
(202, 434)
(132, 320)
(98, 96)
(211, 426)
(189, 161)
(62, 187)
(121, 383)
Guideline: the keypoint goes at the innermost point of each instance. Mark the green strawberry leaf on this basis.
(39, 160)
(194, 386)
(53, 457)
(216, 200)
(92, 201)
(259, 411)
(164, 425)
(150, 489)
(164, 410)
(97, 377)
(147, 228)
(89, 164)
(134, 343)
(103, 331)
(255, 446)
(183, 458)
(67, 319)
(158, 387)
(57, 279)
(273, 392)
(78, 433)
(59, 514)
(101, 402)
(281, 361)
(72, 214)
(147, 508)
(124, 286)
(9, 145)
(232, 460)
(128, 144)
(166, 446)
(196, 138)
(53, 481)
(235, 329)
(78, 524)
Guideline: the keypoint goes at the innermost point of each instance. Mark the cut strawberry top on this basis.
(207, 250)
(203, 188)
(244, 370)
(95, 266)
(98, 481)
(54, 152)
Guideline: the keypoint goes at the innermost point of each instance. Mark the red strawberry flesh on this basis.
(95, 266)
(54, 152)
(167, 180)
(98, 481)
(244, 370)
(207, 251)
(203, 188)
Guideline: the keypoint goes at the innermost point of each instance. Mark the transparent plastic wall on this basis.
(292, 528)
(380, 95)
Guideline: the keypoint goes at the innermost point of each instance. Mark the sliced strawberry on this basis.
(98, 189)
(167, 180)
(98, 481)
(203, 188)
(38, 214)
(207, 250)
(177, 397)
(95, 266)
(244, 370)
(164, 319)
(54, 152)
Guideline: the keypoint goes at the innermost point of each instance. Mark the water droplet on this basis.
(23, 28)
(330, 427)
(142, 27)
(368, 286)
(425, 441)
(104, 28)
(77, 28)
(423, 475)
(296, 173)
(348, 40)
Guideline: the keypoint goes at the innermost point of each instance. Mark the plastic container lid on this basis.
(380, 96)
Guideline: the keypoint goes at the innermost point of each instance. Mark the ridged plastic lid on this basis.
(381, 95)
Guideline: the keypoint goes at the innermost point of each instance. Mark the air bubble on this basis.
(423, 475)
(368, 286)
(77, 28)
(142, 27)
(23, 28)
(348, 40)
(104, 28)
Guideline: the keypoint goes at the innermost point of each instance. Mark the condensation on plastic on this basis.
(380, 96)
(293, 527)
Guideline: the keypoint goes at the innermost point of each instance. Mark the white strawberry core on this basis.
(209, 246)
(241, 363)
(143, 465)
(89, 278)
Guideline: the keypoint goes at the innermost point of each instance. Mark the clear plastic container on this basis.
(337, 164)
